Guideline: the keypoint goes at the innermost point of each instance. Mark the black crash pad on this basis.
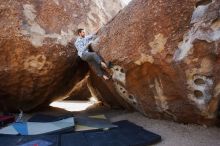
(39, 140)
(126, 134)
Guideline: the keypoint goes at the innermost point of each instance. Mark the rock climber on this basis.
(82, 45)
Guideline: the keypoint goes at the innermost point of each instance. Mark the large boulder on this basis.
(166, 58)
(36, 63)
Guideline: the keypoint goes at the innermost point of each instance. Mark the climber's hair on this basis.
(79, 30)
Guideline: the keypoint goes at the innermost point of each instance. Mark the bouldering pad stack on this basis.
(45, 130)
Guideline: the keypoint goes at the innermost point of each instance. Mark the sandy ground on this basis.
(173, 134)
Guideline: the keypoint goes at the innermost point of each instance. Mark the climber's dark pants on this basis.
(94, 60)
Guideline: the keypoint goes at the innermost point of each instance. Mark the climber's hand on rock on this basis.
(96, 31)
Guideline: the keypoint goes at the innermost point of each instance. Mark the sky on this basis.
(126, 1)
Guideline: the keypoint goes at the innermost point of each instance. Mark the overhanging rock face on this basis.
(166, 56)
(36, 64)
